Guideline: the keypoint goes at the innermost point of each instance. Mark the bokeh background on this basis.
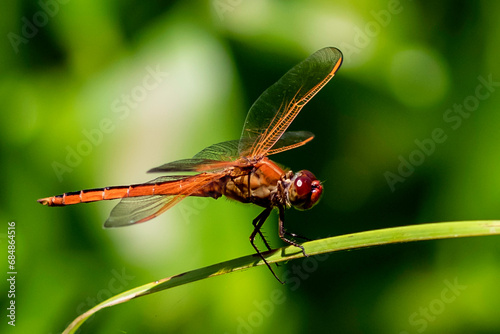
(95, 93)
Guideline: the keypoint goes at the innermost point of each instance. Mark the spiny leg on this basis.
(257, 223)
(262, 216)
(282, 231)
(296, 236)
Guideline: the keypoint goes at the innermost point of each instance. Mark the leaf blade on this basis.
(432, 231)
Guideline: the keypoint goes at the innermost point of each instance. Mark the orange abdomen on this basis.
(202, 185)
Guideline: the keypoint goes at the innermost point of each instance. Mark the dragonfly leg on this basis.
(257, 223)
(262, 217)
(297, 236)
(283, 232)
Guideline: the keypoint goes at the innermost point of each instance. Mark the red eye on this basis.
(316, 192)
(305, 191)
(303, 185)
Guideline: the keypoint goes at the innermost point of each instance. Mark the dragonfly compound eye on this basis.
(305, 190)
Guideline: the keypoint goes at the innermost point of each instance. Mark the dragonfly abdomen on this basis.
(167, 188)
(99, 194)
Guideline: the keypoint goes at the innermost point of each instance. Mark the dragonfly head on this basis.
(305, 190)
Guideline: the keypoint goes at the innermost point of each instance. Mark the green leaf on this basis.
(321, 246)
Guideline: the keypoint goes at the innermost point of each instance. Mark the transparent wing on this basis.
(133, 210)
(185, 165)
(277, 107)
(209, 159)
(225, 151)
(290, 140)
(223, 155)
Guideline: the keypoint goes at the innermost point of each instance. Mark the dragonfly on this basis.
(239, 169)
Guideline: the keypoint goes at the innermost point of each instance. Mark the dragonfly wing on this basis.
(277, 107)
(185, 165)
(132, 210)
(212, 158)
(225, 151)
(291, 139)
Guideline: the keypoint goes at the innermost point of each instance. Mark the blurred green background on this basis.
(96, 93)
